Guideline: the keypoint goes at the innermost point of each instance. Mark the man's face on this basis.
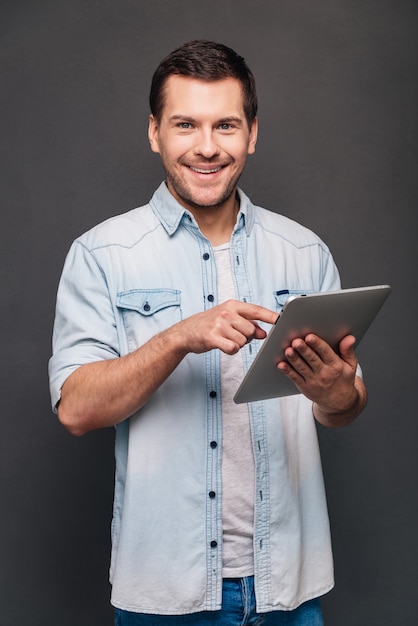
(203, 139)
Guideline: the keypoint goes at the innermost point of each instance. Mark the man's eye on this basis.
(225, 126)
(184, 125)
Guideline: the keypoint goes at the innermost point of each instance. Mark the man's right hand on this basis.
(228, 326)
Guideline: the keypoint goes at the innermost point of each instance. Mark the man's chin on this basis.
(205, 201)
(201, 199)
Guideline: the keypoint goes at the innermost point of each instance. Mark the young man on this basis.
(219, 512)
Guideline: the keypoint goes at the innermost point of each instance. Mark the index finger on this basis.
(257, 312)
(321, 347)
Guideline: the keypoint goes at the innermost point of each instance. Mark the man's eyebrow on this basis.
(231, 118)
(183, 118)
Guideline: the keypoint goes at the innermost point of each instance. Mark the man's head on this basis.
(207, 61)
(203, 124)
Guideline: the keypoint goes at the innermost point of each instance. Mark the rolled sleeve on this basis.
(84, 328)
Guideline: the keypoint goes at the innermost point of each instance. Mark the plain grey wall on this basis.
(337, 82)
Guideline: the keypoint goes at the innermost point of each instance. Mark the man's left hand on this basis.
(327, 378)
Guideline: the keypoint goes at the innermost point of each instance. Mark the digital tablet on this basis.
(330, 315)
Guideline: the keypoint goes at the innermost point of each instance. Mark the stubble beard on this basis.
(188, 197)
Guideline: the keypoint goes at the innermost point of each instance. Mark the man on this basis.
(219, 510)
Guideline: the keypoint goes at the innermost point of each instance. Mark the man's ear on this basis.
(153, 134)
(253, 136)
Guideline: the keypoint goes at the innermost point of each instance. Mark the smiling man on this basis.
(219, 512)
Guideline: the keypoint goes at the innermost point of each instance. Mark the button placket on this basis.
(213, 470)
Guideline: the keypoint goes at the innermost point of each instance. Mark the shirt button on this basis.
(206, 256)
(213, 544)
(212, 494)
(211, 298)
(213, 444)
(147, 307)
(213, 394)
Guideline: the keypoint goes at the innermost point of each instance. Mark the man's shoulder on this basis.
(285, 227)
(124, 229)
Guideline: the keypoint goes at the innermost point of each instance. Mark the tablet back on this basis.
(330, 315)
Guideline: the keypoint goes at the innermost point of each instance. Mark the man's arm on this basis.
(326, 378)
(104, 393)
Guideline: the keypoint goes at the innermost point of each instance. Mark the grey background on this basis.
(337, 82)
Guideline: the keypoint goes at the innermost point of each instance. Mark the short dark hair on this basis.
(205, 60)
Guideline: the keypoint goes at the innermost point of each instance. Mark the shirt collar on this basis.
(170, 212)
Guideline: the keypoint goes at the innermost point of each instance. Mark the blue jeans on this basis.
(238, 609)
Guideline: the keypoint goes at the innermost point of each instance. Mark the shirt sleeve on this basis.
(330, 275)
(84, 327)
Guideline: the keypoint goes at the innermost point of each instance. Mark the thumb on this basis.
(347, 351)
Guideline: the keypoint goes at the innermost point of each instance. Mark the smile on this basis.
(198, 170)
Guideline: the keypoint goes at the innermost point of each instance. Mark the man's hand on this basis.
(228, 326)
(326, 378)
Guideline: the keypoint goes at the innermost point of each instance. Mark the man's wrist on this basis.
(334, 418)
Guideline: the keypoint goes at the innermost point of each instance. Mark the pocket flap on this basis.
(148, 301)
(284, 294)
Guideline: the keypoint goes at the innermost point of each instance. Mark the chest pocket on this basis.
(146, 312)
(284, 294)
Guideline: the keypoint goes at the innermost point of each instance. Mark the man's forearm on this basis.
(102, 394)
(105, 393)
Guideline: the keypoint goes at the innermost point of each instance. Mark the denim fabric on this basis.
(132, 277)
(238, 609)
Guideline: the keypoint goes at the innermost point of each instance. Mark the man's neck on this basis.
(217, 223)
(217, 226)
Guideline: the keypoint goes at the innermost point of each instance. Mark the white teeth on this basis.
(199, 171)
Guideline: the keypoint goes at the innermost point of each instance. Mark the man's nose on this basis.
(206, 144)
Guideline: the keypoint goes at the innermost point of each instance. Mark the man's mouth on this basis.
(200, 170)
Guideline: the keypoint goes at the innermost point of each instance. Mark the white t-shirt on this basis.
(237, 454)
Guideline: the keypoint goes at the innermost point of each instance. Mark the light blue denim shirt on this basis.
(128, 279)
